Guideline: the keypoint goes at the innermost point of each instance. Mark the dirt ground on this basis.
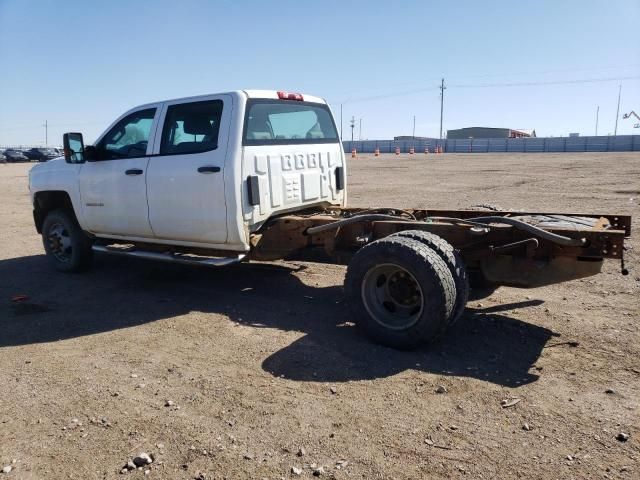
(250, 357)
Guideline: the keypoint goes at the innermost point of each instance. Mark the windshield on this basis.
(278, 122)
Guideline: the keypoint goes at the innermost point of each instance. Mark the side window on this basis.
(191, 127)
(129, 137)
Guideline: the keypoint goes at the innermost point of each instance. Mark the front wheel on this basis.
(66, 245)
(401, 292)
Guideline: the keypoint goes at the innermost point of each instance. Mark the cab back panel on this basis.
(290, 177)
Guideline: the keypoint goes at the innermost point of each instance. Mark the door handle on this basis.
(134, 171)
(208, 169)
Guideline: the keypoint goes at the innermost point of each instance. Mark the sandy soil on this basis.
(250, 356)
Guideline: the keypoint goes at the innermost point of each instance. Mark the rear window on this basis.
(279, 122)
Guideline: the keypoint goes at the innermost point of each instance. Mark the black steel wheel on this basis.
(401, 292)
(66, 245)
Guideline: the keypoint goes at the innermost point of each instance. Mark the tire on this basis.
(401, 292)
(454, 262)
(66, 245)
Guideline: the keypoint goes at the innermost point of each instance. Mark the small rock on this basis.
(296, 471)
(248, 456)
(142, 460)
(480, 305)
(147, 472)
(168, 403)
(140, 385)
(526, 427)
(160, 445)
(301, 452)
(428, 441)
(609, 391)
(134, 375)
(341, 464)
(441, 389)
(454, 427)
(506, 403)
(318, 471)
(7, 469)
(123, 471)
(570, 458)
(622, 437)
(333, 390)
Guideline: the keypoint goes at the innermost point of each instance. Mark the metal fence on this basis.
(620, 143)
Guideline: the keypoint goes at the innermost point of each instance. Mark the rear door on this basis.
(185, 181)
(292, 154)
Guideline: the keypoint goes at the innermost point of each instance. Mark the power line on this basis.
(551, 82)
(422, 81)
(490, 85)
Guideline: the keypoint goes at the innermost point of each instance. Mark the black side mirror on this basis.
(73, 147)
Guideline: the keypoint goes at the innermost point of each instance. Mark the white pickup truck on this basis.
(261, 175)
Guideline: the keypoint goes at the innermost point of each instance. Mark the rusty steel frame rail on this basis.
(286, 236)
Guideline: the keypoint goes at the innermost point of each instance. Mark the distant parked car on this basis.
(14, 155)
(41, 154)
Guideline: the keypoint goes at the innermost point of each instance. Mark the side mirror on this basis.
(73, 147)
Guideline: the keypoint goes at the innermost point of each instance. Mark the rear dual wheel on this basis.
(454, 262)
(401, 291)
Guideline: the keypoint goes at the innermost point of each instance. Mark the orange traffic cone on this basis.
(411, 151)
(397, 150)
(353, 153)
(377, 152)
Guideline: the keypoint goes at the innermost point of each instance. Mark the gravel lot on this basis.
(250, 371)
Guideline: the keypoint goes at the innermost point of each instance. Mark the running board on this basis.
(172, 257)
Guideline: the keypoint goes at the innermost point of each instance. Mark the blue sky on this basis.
(80, 64)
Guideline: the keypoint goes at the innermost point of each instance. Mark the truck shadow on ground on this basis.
(122, 293)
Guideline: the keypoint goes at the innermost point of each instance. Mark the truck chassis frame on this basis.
(505, 254)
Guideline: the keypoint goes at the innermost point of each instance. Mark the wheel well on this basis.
(45, 202)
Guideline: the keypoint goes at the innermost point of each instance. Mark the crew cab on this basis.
(261, 175)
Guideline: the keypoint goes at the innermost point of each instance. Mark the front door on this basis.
(185, 183)
(113, 188)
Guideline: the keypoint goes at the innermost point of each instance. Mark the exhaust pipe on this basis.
(172, 257)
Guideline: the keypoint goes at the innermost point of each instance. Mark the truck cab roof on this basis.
(247, 94)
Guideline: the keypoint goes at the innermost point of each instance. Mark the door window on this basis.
(129, 138)
(191, 127)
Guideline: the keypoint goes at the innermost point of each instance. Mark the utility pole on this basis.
(340, 121)
(353, 125)
(360, 131)
(46, 133)
(597, 114)
(615, 131)
(442, 89)
(414, 127)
